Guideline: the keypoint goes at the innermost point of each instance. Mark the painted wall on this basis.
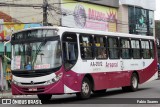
(30, 14)
(8, 27)
(123, 25)
(9, 23)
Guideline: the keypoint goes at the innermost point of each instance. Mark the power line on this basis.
(28, 15)
(53, 16)
(20, 5)
(19, 11)
(45, 6)
(14, 23)
(77, 1)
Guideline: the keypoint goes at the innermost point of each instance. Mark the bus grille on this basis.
(36, 83)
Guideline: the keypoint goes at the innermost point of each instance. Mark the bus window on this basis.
(125, 48)
(152, 49)
(113, 48)
(86, 45)
(100, 44)
(145, 49)
(70, 49)
(135, 44)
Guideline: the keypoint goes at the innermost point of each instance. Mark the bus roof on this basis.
(94, 32)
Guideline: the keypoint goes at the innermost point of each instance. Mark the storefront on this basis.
(137, 17)
(141, 21)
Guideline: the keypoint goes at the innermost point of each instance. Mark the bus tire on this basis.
(44, 97)
(86, 88)
(99, 91)
(134, 84)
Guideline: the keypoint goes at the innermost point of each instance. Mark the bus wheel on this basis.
(85, 89)
(134, 84)
(44, 97)
(99, 91)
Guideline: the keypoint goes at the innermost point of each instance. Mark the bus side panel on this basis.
(101, 80)
(119, 79)
(111, 80)
(104, 80)
(147, 73)
(73, 80)
(151, 70)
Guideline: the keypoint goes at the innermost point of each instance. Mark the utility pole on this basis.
(45, 7)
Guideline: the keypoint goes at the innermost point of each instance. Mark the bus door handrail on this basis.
(5, 50)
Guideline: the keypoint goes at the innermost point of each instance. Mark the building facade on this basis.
(127, 16)
(157, 33)
(137, 17)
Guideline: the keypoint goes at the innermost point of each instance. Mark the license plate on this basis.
(32, 89)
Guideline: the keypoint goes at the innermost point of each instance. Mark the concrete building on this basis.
(136, 17)
(127, 16)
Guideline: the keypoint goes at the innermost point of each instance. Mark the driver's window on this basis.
(70, 49)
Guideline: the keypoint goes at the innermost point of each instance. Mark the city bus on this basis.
(50, 61)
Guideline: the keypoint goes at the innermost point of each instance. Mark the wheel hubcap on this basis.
(85, 88)
(134, 82)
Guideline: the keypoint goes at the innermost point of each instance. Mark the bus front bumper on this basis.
(55, 88)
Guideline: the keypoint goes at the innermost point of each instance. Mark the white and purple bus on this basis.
(50, 61)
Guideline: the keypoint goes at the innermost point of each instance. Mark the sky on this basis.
(157, 12)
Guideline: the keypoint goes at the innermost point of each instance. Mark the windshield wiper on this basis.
(39, 48)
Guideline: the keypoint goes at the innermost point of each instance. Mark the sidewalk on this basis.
(6, 94)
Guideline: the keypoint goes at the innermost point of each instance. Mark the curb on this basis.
(9, 95)
(6, 94)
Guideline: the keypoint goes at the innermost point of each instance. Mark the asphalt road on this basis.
(147, 93)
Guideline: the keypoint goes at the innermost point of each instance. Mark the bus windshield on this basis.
(34, 55)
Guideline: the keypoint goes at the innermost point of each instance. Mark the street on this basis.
(111, 98)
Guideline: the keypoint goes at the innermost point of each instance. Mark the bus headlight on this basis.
(15, 82)
(55, 79)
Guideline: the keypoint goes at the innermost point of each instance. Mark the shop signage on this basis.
(88, 16)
